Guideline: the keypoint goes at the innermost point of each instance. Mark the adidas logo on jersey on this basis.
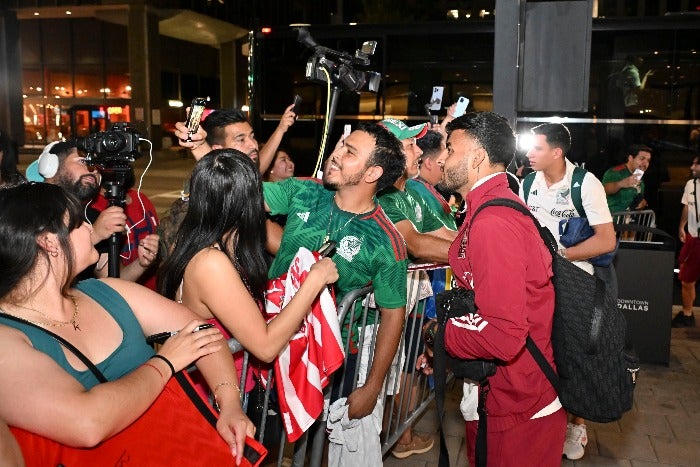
(303, 216)
(534, 193)
(577, 184)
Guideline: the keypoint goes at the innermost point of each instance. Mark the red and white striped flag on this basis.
(304, 366)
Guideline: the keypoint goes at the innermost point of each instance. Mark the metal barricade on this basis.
(405, 395)
(643, 218)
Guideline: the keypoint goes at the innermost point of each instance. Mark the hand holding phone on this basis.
(195, 116)
(461, 106)
(297, 103)
(436, 98)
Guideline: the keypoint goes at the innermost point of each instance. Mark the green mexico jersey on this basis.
(621, 200)
(408, 205)
(435, 202)
(370, 250)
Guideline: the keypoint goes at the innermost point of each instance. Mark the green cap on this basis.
(402, 131)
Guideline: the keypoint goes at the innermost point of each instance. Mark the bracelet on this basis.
(226, 383)
(155, 368)
(218, 386)
(170, 365)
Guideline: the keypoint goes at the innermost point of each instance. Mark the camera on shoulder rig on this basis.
(328, 65)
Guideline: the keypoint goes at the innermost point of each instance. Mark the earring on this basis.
(54, 253)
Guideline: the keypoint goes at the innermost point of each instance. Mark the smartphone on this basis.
(327, 249)
(203, 326)
(461, 107)
(297, 103)
(436, 98)
(195, 115)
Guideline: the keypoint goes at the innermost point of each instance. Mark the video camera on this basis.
(117, 147)
(340, 65)
(112, 153)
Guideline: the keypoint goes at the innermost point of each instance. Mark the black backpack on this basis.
(596, 367)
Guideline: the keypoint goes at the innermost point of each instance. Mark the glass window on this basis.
(34, 121)
(59, 82)
(56, 41)
(644, 74)
(189, 86)
(87, 42)
(115, 42)
(89, 79)
(169, 85)
(30, 35)
(32, 82)
(118, 81)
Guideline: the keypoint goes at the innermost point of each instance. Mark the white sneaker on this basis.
(576, 441)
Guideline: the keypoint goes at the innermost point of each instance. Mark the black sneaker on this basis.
(682, 320)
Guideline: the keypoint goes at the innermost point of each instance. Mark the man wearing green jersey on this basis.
(427, 239)
(426, 236)
(369, 249)
(432, 145)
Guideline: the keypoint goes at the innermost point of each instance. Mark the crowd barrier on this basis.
(643, 218)
(401, 410)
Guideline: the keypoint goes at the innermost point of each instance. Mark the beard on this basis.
(350, 180)
(254, 156)
(454, 178)
(85, 188)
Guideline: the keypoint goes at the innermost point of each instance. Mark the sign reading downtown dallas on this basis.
(632, 305)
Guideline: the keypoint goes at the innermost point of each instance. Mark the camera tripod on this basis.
(114, 179)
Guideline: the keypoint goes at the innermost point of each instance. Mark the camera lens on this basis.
(113, 142)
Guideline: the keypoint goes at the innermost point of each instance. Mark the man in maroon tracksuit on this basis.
(503, 259)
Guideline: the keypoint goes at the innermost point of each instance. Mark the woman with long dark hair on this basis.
(76, 367)
(217, 267)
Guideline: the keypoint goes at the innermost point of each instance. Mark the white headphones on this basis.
(48, 162)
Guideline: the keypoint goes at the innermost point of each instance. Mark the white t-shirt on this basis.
(689, 200)
(552, 204)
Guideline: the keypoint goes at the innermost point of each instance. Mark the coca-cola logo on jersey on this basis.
(563, 213)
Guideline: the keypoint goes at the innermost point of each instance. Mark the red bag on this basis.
(178, 429)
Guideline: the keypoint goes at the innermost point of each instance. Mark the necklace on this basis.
(55, 323)
(330, 218)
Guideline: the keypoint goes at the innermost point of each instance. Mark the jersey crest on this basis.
(348, 247)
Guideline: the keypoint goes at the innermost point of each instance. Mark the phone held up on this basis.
(436, 98)
(195, 116)
(297, 103)
(461, 107)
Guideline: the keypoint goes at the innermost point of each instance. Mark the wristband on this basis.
(170, 365)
